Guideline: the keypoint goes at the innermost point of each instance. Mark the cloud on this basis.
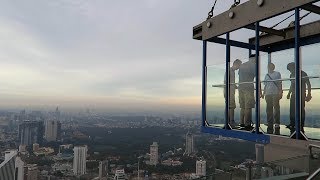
(93, 52)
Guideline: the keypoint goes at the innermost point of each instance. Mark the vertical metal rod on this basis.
(227, 86)
(257, 78)
(269, 60)
(204, 82)
(298, 72)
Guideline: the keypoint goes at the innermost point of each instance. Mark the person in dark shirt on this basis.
(232, 102)
(246, 92)
(305, 84)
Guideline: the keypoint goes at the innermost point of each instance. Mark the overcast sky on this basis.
(102, 53)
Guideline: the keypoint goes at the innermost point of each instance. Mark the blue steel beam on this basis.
(204, 83)
(257, 78)
(245, 135)
(297, 73)
(291, 44)
(233, 43)
(227, 87)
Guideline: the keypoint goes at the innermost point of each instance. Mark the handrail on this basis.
(310, 149)
(313, 175)
(284, 79)
(313, 146)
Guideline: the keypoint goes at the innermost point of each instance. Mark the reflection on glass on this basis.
(276, 116)
(241, 95)
(310, 65)
(215, 95)
(234, 67)
(246, 90)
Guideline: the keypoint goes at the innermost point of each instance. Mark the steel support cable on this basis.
(307, 14)
(210, 13)
(236, 3)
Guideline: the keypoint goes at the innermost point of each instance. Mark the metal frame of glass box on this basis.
(248, 15)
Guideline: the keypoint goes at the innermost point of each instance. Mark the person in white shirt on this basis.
(273, 93)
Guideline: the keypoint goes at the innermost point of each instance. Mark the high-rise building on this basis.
(35, 147)
(52, 130)
(120, 175)
(19, 168)
(201, 168)
(31, 172)
(59, 132)
(57, 114)
(31, 132)
(11, 168)
(22, 115)
(22, 148)
(154, 156)
(103, 169)
(79, 160)
(189, 144)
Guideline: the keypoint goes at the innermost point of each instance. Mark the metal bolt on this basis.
(231, 14)
(260, 2)
(208, 24)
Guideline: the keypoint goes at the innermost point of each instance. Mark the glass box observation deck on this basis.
(275, 89)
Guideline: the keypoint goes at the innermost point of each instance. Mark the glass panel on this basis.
(263, 72)
(311, 67)
(215, 95)
(245, 95)
(280, 60)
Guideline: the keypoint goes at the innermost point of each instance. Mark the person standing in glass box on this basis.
(305, 83)
(273, 93)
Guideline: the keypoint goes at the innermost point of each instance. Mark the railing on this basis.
(300, 167)
(315, 175)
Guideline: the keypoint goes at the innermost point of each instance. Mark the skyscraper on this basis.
(31, 132)
(79, 160)
(103, 169)
(189, 144)
(57, 113)
(12, 168)
(201, 168)
(154, 153)
(52, 130)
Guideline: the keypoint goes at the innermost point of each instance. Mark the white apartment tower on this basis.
(79, 160)
(154, 156)
(189, 144)
(201, 168)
